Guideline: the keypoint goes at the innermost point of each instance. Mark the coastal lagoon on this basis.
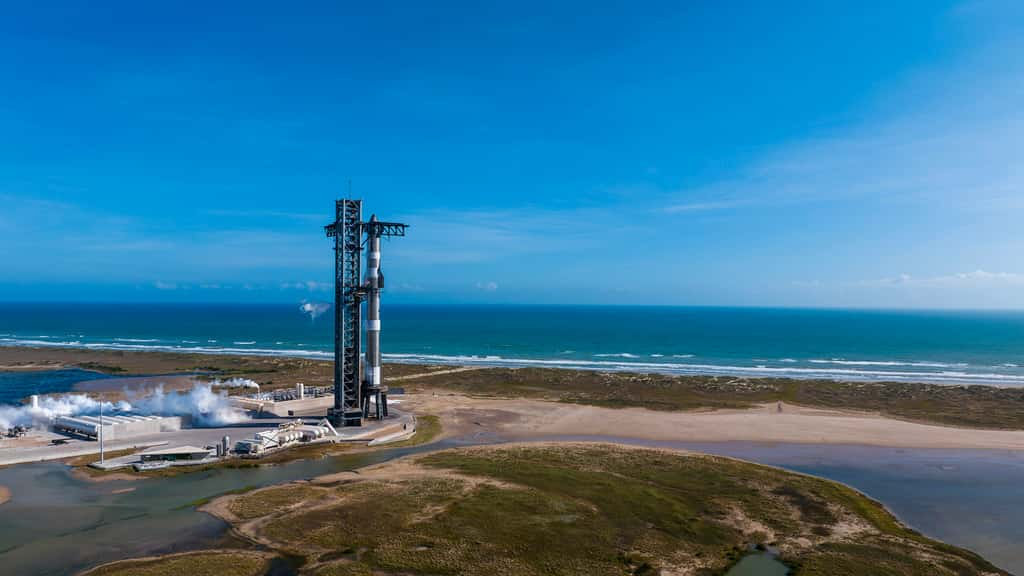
(56, 522)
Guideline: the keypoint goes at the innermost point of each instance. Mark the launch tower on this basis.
(352, 394)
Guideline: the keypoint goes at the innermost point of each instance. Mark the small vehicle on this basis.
(58, 441)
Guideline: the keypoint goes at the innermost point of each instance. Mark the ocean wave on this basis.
(916, 364)
(943, 377)
(31, 342)
(312, 354)
(682, 355)
(618, 355)
(137, 339)
(245, 343)
(832, 370)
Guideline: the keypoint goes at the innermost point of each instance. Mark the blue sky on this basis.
(706, 153)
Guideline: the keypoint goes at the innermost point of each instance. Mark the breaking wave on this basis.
(842, 362)
(1008, 374)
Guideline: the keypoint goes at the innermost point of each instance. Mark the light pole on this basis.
(100, 433)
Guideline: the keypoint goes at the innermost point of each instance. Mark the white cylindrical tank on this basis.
(300, 390)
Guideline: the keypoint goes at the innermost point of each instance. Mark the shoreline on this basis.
(949, 407)
(951, 373)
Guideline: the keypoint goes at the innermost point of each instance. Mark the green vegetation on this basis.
(192, 564)
(585, 509)
(96, 366)
(272, 499)
(971, 406)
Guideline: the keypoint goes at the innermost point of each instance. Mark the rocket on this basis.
(372, 382)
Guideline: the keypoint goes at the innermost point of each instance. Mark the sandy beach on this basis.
(533, 419)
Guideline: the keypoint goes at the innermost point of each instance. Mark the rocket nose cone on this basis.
(373, 218)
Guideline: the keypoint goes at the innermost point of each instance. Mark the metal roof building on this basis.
(118, 426)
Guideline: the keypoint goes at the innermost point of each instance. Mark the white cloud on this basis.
(489, 286)
(161, 285)
(310, 285)
(697, 207)
(977, 278)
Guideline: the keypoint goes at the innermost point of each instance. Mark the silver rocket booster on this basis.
(374, 385)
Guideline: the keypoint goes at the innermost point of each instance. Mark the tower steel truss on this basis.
(347, 233)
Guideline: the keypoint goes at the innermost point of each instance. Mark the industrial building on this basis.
(116, 427)
(176, 454)
(285, 435)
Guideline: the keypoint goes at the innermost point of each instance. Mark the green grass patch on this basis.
(262, 502)
(591, 509)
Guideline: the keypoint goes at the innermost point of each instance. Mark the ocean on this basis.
(922, 346)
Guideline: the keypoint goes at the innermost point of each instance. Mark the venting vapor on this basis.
(314, 309)
(205, 406)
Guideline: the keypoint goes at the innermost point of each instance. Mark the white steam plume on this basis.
(314, 309)
(52, 406)
(235, 383)
(206, 407)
